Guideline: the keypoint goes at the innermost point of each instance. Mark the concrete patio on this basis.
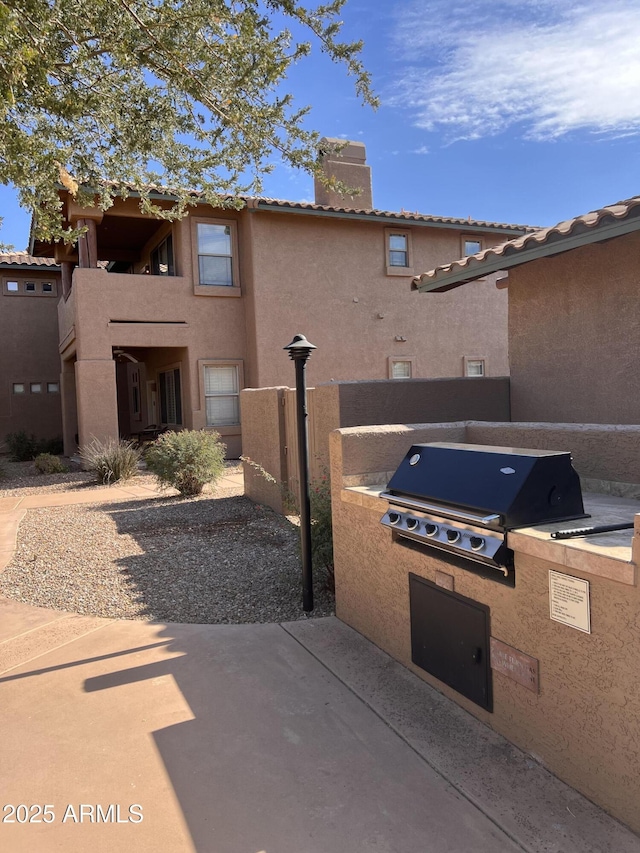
(300, 737)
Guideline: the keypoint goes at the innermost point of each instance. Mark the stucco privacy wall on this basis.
(584, 724)
(327, 279)
(574, 335)
(264, 443)
(269, 427)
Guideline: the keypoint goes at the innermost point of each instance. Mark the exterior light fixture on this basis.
(299, 351)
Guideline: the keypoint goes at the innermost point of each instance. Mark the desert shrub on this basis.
(186, 460)
(322, 528)
(111, 460)
(24, 448)
(53, 446)
(47, 463)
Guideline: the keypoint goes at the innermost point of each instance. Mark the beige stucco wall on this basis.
(264, 445)
(327, 279)
(584, 724)
(29, 353)
(574, 335)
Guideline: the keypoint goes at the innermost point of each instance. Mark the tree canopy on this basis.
(105, 96)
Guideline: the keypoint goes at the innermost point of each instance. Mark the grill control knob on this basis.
(412, 523)
(394, 517)
(476, 542)
(453, 535)
(430, 528)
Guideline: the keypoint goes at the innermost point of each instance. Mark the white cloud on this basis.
(553, 68)
(422, 150)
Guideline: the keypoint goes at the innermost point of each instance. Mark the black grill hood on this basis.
(525, 487)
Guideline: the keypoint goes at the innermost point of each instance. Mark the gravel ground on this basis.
(206, 560)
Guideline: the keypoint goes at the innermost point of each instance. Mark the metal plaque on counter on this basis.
(515, 664)
(569, 601)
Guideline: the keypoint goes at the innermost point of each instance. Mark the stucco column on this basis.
(97, 400)
(69, 407)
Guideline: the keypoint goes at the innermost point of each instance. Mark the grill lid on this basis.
(524, 487)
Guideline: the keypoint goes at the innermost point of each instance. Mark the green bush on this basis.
(47, 463)
(111, 460)
(24, 448)
(322, 528)
(186, 460)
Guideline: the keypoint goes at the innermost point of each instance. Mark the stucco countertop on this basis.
(607, 555)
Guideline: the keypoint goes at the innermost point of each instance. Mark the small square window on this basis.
(401, 370)
(474, 367)
(472, 247)
(36, 387)
(30, 286)
(12, 286)
(18, 388)
(53, 387)
(47, 287)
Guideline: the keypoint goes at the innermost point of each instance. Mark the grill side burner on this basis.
(463, 498)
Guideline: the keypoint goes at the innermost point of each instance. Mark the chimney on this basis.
(348, 164)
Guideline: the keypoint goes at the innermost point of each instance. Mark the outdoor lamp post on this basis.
(299, 351)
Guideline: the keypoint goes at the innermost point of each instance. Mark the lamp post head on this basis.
(299, 348)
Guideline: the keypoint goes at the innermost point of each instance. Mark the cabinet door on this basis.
(450, 639)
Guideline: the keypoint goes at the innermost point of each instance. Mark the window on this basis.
(170, 398)
(36, 387)
(30, 287)
(18, 388)
(215, 254)
(474, 366)
(47, 287)
(471, 245)
(400, 367)
(401, 370)
(161, 258)
(398, 252)
(12, 286)
(53, 387)
(221, 393)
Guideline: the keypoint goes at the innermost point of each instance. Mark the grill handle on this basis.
(448, 512)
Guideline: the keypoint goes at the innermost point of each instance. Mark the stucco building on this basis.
(165, 322)
(30, 372)
(574, 315)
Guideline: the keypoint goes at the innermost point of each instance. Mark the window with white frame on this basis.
(222, 395)
(474, 366)
(215, 254)
(398, 251)
(471, 245)
(401, 370)
(400, 367)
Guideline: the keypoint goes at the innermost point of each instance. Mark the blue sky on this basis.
(522, 111)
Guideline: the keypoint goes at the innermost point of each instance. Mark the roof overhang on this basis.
(542, 244)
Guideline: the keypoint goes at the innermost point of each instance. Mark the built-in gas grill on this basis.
(462, 499)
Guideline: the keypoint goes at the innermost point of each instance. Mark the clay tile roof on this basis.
(23, 259)
(375, 213)
(595, 226)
